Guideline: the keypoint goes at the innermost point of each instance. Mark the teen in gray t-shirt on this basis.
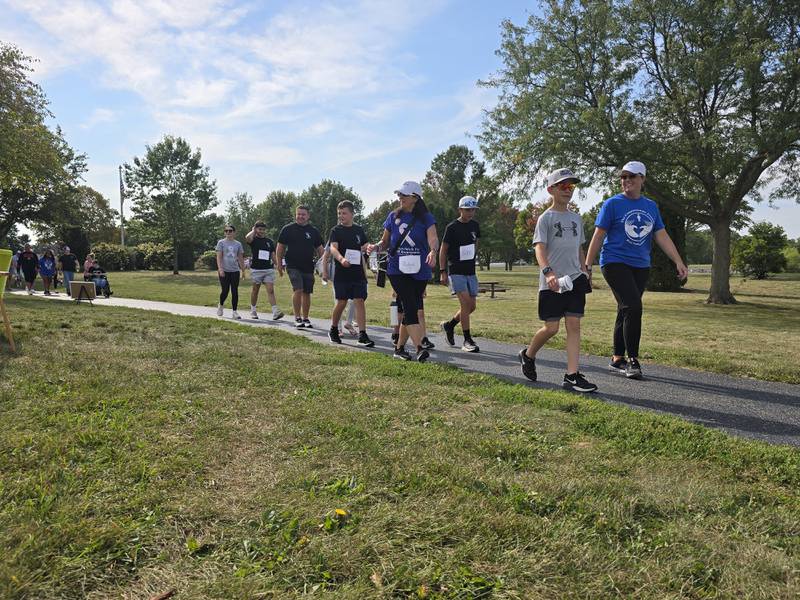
(562, 235)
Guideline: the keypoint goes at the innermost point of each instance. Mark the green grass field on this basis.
(754, 338)
(142, 452)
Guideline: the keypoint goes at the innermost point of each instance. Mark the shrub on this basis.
(113, 257)
(207, 260)
(792, 256)
(761, 252)
(155, 257)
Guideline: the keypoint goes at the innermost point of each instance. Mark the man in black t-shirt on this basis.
(261, 268)
(458, 251)
(28, 264)
(348, 242)
(301, 244)
(68, 263)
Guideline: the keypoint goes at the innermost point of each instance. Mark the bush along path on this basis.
(762, 410)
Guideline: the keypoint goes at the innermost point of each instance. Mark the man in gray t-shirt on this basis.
(563, 282)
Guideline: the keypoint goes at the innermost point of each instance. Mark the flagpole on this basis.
(121, 213)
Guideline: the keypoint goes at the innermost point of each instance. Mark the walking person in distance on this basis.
(230, 267)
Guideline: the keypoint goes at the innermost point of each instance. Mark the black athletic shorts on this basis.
(553, 306)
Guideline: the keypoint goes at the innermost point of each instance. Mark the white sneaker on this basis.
(30, 292)
(253, 313)
(219, 310)
(277, 315)
(235, 315)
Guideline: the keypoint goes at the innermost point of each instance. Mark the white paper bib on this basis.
(467, 252)
(409, 263)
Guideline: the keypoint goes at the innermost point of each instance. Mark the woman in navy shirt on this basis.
(626, 226)
(411, 258)
(47, 269)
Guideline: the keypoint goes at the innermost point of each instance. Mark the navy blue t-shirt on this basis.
(630, 225)
(415, 245)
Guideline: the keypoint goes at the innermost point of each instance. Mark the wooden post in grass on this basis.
(6, 320)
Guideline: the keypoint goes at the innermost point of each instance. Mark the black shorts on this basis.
(29, 276)
(348, 290)
(553, 306)
(301, 281)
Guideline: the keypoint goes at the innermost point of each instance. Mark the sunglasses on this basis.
(566, 186)
(623, 177)
(228, 230)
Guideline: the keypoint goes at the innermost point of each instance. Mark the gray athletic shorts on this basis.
(301, 281)
(262, 276)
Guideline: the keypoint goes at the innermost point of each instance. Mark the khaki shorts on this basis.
(262, 276)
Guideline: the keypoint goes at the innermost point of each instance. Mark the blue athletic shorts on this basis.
(464, 283)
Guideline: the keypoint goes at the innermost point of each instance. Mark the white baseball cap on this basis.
(560, 175)
(410, 187)
(635, 167)
(468, 202)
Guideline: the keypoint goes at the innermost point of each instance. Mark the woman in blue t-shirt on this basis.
(409, 236)
(47, 269)
(626, 226)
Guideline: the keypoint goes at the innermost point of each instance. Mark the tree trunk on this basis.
(720, 292)
(175, 255)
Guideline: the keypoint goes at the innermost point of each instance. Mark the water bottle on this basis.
(393, 320)
(373, 261)
(564, 284)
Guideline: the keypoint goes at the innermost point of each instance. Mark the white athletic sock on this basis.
(253, 308)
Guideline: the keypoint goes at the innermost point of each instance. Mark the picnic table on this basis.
(491, 287)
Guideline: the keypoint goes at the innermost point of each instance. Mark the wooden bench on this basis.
(491, 287)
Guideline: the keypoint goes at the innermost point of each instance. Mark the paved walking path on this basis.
(745, 407)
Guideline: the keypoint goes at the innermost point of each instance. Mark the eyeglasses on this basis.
(623, 177)
(566, 186)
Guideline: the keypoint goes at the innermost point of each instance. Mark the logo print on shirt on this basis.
(573, 227)
(402, 228)
(308, 236)
(474, 236)
(638, 226)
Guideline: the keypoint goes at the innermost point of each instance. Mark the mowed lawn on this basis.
(757, 337)
(142, 452)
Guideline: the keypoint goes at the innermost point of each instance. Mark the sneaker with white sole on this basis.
(219, 310)
(235, 315)
(470, 346)
(618, 366)
(401, 353)
(333, 335)
(577, 383)
(422, 354)
(633, 370)
(253, 313)
(363, 340)
(307, 324)
(277, 315)
(427, 344)
(298, 323)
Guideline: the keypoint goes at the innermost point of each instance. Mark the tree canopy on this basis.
(706, 93)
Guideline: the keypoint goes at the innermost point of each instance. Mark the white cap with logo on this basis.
(410, 187)
(560, 175)
(468, 202)
(635, 167)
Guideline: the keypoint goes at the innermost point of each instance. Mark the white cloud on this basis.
(99, 115)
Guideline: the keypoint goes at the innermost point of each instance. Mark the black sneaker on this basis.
(618, 366)
(395, 337)
(333, 335)
(298, 323)
(363, 340)
(307, 324)
(633, 370)
(528, 365)
(427, 344)
(401, 353)
(449, 332)
(422, 354)
(470, 346)
(577, 383)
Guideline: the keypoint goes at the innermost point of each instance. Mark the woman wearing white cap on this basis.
(626, 226)
(409, 237)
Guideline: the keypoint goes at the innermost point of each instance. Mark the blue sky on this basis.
(277, 95)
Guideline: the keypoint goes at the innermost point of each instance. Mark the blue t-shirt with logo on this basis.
(415, 244)
(630, 225)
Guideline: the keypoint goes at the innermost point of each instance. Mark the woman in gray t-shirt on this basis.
(230, 266)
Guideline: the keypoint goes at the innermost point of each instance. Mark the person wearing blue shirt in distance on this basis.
(47, 269)
(409, 236)
(625, 227)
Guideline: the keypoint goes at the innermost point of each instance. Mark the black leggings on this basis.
(230, 282)
(409, 291)
(627, 284)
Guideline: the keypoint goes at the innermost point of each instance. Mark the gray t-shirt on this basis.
(562, 235)
(230, 252)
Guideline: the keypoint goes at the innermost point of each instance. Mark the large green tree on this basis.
(322, 199)
(172, 191)
(82, 209)
(705, 92)
(277, 210)
(36, 163)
